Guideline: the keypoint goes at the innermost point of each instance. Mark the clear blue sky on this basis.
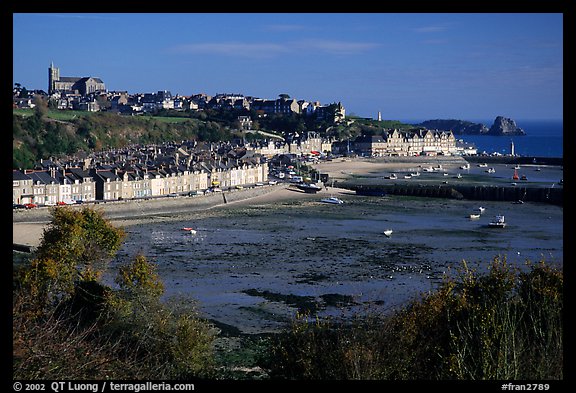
(408, 66)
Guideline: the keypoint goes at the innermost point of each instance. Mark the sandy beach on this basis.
(269, 251)
(28, 225)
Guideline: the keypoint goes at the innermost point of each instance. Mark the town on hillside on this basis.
(193, 167)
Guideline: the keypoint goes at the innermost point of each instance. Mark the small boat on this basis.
(523, 177)
(407, 176)
(474, 216)
(309, 188)
(490, 170)
(483, 165)
(191, 230)
(482, 209)
(517, 167)
(518, 202)
(333, 200)
(415, 174)
(458, 176)
(515, 176)
(498, 222)
(467, 166)
(392, 176)
(388, 232)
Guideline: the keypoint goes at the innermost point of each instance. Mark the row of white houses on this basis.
(68, 185)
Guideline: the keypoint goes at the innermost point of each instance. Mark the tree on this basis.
(41, 107)
(284, 96)
(75, 248)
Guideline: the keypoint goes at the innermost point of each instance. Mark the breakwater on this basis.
(520, 160)
(472, 192)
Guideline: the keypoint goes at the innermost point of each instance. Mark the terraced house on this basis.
(115, 182)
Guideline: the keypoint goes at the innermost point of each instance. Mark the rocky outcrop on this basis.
(505, 126)
(458, 127)
(502, 126)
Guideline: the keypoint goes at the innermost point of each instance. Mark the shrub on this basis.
(500, 325)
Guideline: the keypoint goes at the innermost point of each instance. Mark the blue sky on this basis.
(410, 66)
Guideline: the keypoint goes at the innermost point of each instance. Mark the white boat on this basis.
(483, 165)
(392, 176)
(415, 174)
(490, 170)
(333, 200)
(474, 216)
(388, 232)
(467, 166)
(498, 222)
(407, 176)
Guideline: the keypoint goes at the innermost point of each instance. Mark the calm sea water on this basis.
(544, 139)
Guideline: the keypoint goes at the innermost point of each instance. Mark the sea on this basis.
(544, 138)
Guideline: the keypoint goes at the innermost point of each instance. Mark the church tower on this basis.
(53, 76)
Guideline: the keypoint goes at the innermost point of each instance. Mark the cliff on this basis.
(505, 126)
(458, 127)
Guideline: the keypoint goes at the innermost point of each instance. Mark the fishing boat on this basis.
(483, 165)
(490, 170)
(388, 232)
(474, 216)
(333, 200)
(498, 222)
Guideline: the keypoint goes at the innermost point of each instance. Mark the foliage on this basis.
(69, 325)
(500, 325)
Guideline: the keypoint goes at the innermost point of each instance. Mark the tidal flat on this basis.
(256, 265)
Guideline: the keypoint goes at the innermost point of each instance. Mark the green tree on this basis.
(75, 248)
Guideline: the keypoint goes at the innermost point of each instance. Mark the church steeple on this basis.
(53, 76)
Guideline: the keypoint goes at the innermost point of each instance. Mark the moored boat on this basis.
(333, 200)
(498, 222)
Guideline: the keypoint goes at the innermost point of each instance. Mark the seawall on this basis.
(472, 192)
(559, 161)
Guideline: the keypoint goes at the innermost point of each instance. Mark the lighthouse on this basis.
(512, 148)
(379, 116)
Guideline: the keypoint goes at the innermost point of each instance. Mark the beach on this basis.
(28, 225)
(270, 252)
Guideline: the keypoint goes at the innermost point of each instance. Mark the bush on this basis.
(68, 325)
(500, 325)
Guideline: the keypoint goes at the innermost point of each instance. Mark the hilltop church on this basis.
(83, 86)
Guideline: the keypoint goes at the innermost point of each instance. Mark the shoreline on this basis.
(28, 225)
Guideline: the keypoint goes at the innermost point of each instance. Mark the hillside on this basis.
(57, 133)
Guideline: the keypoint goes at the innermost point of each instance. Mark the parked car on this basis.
(30, 205)
(18, 206)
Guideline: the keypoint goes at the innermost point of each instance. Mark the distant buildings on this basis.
(73, 84)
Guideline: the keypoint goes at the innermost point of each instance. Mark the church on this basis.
(79, 85)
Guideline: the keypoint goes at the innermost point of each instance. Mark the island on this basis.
(502, 126)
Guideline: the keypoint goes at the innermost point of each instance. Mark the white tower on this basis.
(379, 116)
(512, 148)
